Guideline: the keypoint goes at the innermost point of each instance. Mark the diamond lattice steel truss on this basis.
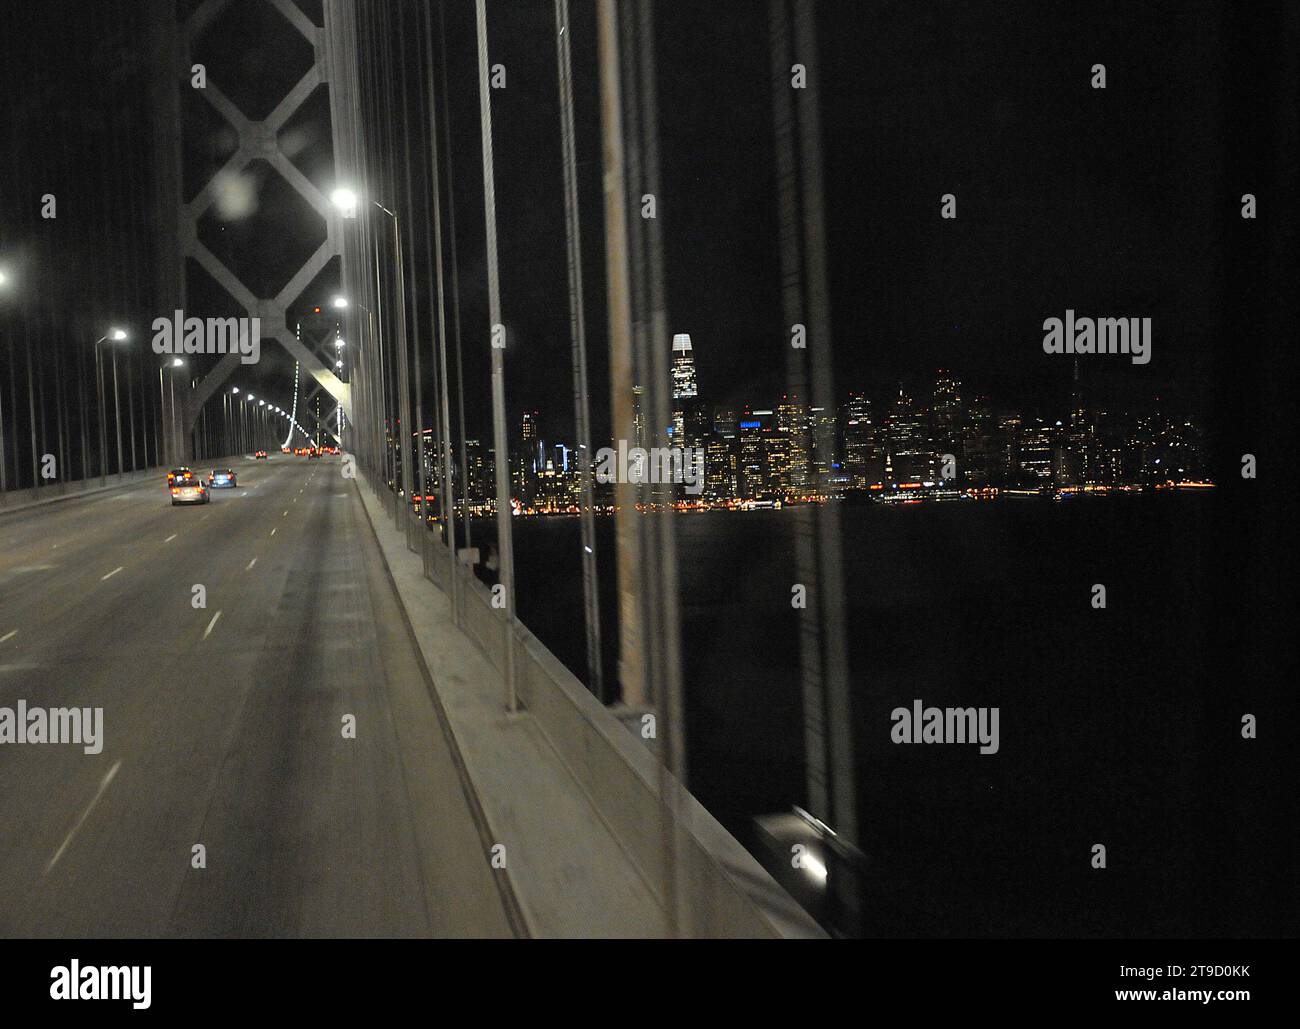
(257, 141)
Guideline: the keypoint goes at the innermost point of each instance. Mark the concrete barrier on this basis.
(677, 847)
(36, 496)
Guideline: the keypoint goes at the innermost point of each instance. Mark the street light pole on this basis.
(346, 200)
(117, 417)
(99, 389)
(403, 383)
(116, 336)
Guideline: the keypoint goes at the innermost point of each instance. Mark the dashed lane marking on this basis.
(103, 785)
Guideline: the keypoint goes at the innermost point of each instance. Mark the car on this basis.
(260, 455)
(221, 478)
(190, 492)
(314, 453)
(284, 450)
(182, 474)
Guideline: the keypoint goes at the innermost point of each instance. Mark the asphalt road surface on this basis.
(223, 726)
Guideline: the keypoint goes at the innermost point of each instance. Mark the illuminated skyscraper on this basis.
(685, 391)
(823, 424)
(790, 453)
(529, 457)
(864, 444)
(946, 408)
(684, 386)
(638, 416)
(911, 451)
(753, 465)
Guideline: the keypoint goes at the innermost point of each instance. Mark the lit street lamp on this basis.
(346, 201)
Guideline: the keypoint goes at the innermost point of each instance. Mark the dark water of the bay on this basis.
(1118, 727)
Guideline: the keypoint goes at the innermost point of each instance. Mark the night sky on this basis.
(1118, 202)
(1114, 202)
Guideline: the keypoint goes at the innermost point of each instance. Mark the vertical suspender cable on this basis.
(421, 466)
(505, 541)
(444, 419)
(577, 326)
(659, 546)
(790, 248)
(401, 354)
(835, 649)
(455, 274)
(663, 525)
(631, 658)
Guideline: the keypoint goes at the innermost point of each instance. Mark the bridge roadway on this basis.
(223, 725)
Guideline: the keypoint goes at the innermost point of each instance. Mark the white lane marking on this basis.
(295, 500)
(250, 564)
(272, 532)
(170, 538)
(8, 636)
(211, 624)
(244, 494)
(110, 574)
(204, 518)
(98, 793)
(286, 512)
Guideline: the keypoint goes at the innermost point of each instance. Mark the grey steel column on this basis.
(631, 660)
(505, 539)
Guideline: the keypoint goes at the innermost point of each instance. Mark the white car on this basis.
(193, 492)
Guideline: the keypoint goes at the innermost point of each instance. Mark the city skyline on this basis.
(946, 443)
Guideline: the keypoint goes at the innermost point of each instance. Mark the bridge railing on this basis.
(686, 857)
